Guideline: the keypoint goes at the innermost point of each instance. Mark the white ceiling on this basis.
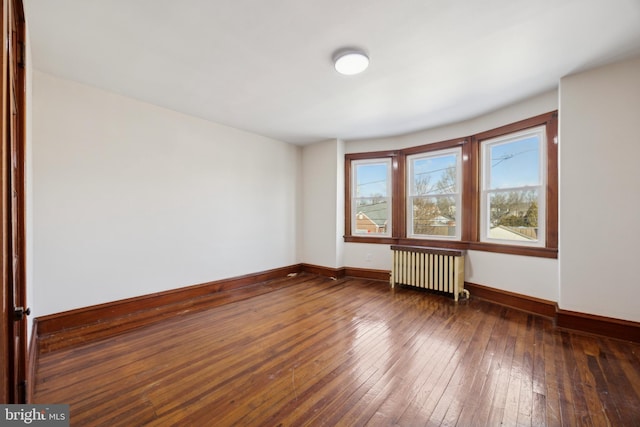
(265, 65)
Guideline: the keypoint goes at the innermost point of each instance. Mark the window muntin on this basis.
(433, 194)
(371, 197)
(513, 188)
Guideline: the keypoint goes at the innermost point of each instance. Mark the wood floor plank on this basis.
(478, 396)
(387, 357)
(516, 377)
(441, 353)
(315, 351)
(539, 389)
(502, 374)
(452, 401)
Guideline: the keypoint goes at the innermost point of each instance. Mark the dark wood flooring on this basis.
(316, 351)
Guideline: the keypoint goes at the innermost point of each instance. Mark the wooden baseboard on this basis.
(583, 322)
(32, 360)
(599, 325)
(365, 273)
(337, 273)
(68, 328)
(526, 303)
(89, 323)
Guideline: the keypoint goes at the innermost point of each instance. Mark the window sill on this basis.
(474, 246)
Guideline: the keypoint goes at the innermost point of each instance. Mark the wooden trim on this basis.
(348, 158)
(449, 244)
(79, 326)
(550, 121)
(514, 250)
(541, 119)
(526, 303)
(599, 325)
(339, 273)
(552, 201)
(435, 146)
(565, 319)
(13, 341)
(347, 197)
(582, 322)
(87, 324)
(19, 55)
(371, 155)
(378, 240)
(365, 273)
(469, 190)
(6, 315)
(446, 244)
(336, 273)
(57, 322)
(399, 196)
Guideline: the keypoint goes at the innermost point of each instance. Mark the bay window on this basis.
(494, 191)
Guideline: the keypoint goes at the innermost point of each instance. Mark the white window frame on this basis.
(410, 192)
(355, 198)
(486, 191)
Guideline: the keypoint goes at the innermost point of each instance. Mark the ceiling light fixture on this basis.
(350, 61)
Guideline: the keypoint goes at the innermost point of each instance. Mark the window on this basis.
(495, 191)
(371, 200)
(433, 194)
(512, 205)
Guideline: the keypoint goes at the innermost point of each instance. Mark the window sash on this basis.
(435, 230)
(369, 219)
(505, 233)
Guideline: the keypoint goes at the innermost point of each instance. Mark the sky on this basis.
(372, 179)
(433, 169)
(516, 163)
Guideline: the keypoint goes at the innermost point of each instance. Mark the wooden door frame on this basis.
(13, 344)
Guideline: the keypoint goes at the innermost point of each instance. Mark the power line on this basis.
(509, 156)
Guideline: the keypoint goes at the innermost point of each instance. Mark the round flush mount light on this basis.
(350, 61)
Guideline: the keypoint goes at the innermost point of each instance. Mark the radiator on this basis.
(435, 269)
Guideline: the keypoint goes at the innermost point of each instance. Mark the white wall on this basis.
(531, 276)
(323, 212)
(599, 193)
(533, 106)
(131, 199)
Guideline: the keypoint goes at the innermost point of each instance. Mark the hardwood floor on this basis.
(316, 351)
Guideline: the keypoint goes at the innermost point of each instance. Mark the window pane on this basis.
(371, 180)
(433, 195)
(434, 175)
(434, 216)
(371, 215)
(371, 203)
(515, 163)
(514, 215)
